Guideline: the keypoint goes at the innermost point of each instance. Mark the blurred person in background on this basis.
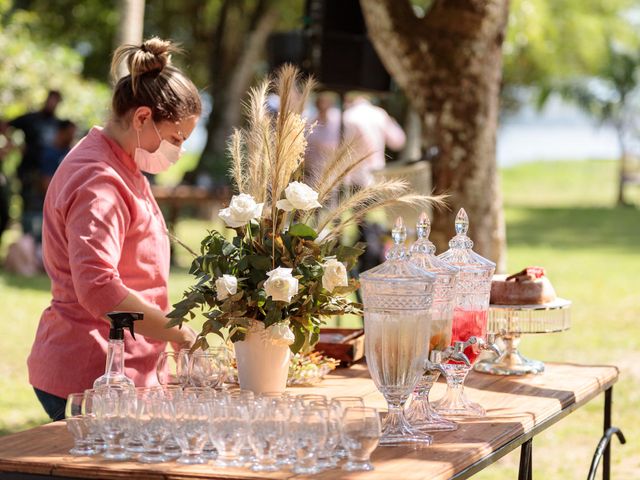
(325, 136)
(39, 130)
(105, 245)
(5, 187)
(53, 154)
(371, 129)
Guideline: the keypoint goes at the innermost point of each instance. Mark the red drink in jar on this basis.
(466, 324)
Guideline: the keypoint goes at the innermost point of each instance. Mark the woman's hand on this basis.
(188, 337)
(155, 321)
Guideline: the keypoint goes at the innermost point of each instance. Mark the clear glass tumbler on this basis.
(79, 425)
(360, 435)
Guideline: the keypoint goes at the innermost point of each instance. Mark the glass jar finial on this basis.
(399, 232)
(461, 240)
(423, 227)
(399, 235)
(462, 222)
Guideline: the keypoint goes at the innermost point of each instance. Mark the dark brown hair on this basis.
(153, 82)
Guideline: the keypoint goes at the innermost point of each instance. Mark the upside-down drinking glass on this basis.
(397, 297)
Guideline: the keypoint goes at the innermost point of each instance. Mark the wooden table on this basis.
(518, 408)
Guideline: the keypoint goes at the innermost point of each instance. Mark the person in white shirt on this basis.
(372, 129)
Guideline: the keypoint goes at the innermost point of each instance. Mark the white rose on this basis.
(281, 285)
(335, 275)
(300, 196)
(226, 285)
(242, 209)
(280, 334)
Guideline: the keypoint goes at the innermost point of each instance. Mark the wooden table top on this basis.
(517, 408)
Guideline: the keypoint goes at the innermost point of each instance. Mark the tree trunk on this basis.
(131, 26)
(449, 63)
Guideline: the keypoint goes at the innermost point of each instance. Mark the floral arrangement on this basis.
(283, 265)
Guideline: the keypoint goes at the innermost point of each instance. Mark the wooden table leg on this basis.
(526, 457)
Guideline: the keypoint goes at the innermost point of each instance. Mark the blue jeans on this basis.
(54, 406)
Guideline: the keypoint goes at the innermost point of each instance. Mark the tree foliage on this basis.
(550, 43)
(31, 67)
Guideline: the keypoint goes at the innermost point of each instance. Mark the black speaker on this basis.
(288, 47)
(339, 52)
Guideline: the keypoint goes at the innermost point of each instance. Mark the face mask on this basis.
(159, 161)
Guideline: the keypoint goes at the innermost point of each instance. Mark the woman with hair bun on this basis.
(105, 246)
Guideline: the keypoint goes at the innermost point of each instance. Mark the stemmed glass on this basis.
(173, 369)
(88, 409)
(154, 422)
(420, 413)
(228, 427)
(339, 404)
(309, 434)
(266, 430)
(208, 368)
(79, 425)
(332, 415)
(190, 430)
(469, 319)
(397, 298)
(360, 436)
(113, 408)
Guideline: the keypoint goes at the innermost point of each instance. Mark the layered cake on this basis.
(528, 287)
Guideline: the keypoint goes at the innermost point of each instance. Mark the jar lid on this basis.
(397, 283)
(460, 253)
(423, 251)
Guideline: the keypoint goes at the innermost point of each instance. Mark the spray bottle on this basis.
(114, 371)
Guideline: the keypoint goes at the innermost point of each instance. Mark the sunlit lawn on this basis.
(559, 215)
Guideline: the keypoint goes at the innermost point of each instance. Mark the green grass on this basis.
(559, 215)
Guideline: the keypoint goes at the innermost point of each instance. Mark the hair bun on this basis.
(153, 54)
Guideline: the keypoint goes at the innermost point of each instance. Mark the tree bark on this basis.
(130, 29)
(449, 63)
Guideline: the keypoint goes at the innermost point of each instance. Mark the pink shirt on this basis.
(103, 236)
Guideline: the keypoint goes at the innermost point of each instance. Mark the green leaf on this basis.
(228, 249)
(243, 263)
(349, 255)
(177, 313)
(173, 322)
(274, 315)
(302, 230)
(300, 337)
(260, 262)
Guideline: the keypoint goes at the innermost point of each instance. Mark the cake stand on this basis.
(509, 322)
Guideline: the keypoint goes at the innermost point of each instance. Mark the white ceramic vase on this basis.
(262, 365)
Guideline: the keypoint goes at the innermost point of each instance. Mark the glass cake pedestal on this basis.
(509, 322)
